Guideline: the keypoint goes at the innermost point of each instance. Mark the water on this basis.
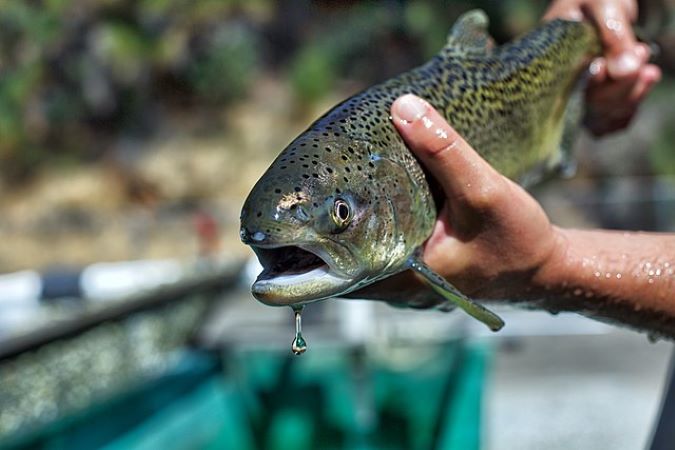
(299, 345)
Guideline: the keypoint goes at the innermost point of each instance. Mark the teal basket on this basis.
(413, 398)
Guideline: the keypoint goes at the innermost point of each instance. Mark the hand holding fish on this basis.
(622, 77)
(491, 237)
(347, 211)
(493, 241)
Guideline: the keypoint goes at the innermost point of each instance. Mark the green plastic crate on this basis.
(327, 398)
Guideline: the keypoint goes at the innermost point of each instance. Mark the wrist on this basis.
(549, 277)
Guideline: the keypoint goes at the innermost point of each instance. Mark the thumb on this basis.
(613, 21)
(464, 176)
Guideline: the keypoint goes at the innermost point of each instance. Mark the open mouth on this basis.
(287, 261)
(293, 275)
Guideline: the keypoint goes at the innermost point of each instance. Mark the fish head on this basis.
(314, 222)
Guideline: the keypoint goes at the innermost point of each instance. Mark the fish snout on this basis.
(252, 237)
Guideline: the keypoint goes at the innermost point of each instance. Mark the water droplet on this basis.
(299, 345)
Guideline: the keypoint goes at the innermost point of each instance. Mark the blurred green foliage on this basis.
(74, 74)
(662, 148)
(77, 75)
(223, 71)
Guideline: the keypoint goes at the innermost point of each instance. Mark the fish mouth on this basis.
(294, 274)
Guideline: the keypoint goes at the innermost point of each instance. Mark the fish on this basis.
(346, 204)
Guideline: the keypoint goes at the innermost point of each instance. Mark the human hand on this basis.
(622, 77)
(491, 237)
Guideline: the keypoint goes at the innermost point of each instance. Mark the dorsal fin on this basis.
(469, 35)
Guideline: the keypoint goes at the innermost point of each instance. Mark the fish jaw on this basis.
(297, 274)
(286, 290)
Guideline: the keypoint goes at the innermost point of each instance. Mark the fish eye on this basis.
(342, 214)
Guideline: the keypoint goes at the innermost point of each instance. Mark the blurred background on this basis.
(131, 132)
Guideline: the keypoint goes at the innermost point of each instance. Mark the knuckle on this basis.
(443, 142)
(442, 149)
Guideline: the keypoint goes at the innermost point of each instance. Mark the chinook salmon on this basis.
(346, 204)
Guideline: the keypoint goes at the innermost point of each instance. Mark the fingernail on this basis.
(643, 52)
(624, 64)
(410, 108)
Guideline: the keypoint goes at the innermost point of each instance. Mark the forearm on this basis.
(616, 276)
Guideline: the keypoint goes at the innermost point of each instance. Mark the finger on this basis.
(462, 173)
(613, 21)
(649, 76)
(643, 52)
(616, 98)
(653, 73)
(630, 7)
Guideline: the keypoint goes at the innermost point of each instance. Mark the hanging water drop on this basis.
(299, 345)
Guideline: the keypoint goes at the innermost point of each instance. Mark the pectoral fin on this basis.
(450, 293)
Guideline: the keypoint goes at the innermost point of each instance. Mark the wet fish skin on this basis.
(511, 103)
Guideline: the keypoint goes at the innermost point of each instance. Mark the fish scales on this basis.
(351, 201)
